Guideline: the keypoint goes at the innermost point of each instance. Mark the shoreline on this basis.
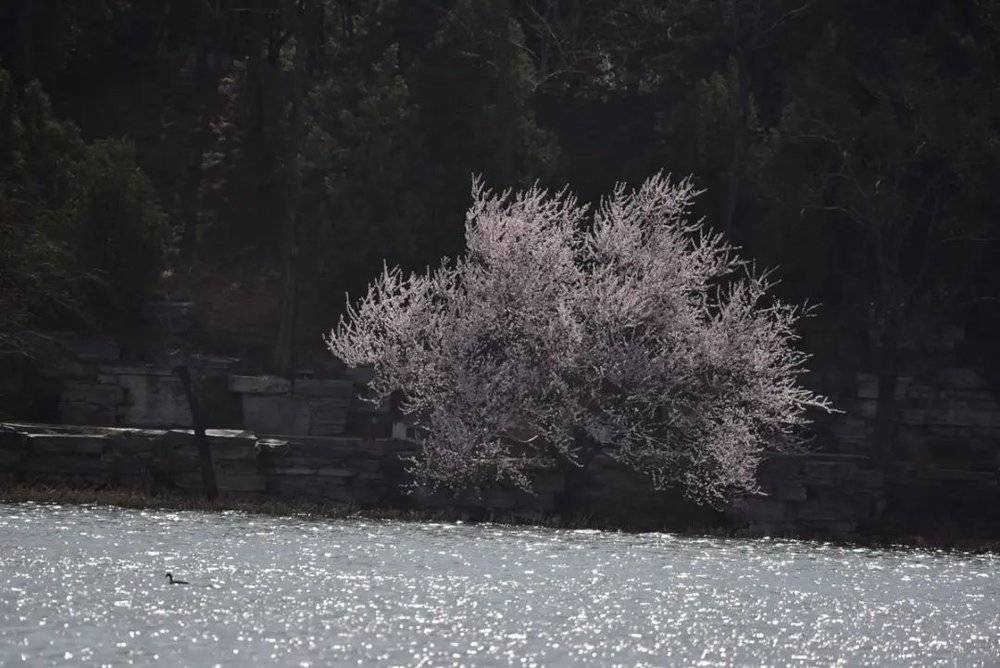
(135, 499)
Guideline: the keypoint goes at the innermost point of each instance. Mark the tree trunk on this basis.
(255, 75)
(158, 44)
(506, 98)
(283, 359)
(193, 200)
(741, 140)
(575, 475)
(887, 373)
(209, 485)
(26, 28)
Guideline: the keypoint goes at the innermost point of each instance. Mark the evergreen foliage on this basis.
(83, 235)
(119, 232)
(851, 143)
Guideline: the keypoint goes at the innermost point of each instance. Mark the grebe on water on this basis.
(171, 580)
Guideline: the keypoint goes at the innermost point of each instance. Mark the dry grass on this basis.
(137, 499)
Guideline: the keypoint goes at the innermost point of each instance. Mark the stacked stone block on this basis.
(309, 407)
(150, 459)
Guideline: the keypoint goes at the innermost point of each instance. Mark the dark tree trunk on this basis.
(506, 100)
(158, 44)
(255, 73)
(200, 91)
(283, 359)
(887, 373)
(741, 139)
(26, 28)
(575, 475)
(208, 481)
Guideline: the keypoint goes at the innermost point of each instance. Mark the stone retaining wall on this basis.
(370, 473)
(949, 416)
(815, 492)
(150, 459)
(334, 448)
(66, 379)
(310, 407)
(804, 494)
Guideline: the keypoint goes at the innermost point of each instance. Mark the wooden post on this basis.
(208, 482)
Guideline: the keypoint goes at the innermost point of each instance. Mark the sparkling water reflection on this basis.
(86, 585)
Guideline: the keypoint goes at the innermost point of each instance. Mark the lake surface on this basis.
(86, 585)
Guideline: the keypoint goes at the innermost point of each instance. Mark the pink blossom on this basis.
(561, 332)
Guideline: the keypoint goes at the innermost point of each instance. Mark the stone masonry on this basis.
(313, 438)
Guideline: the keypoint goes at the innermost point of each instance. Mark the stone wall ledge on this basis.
(325, 388)
(92, 393)
(816, 456)
(46, 428)
(804, 491)
(305, 387)
(294, 470)
(75, 444)
(955, 416)
(259, 385)
(960, 378)
(904, 474)
(311, 442)
(134, 370)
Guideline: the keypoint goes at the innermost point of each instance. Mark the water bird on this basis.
(171, 580)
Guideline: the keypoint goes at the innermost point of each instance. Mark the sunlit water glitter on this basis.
(86, 585)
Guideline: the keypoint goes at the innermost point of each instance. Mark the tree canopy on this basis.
(851, 143)
(558, 335)
(84, 235)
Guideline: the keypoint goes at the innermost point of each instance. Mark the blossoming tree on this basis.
(562, 333)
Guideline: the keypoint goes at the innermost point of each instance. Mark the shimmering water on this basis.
(86, 585)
